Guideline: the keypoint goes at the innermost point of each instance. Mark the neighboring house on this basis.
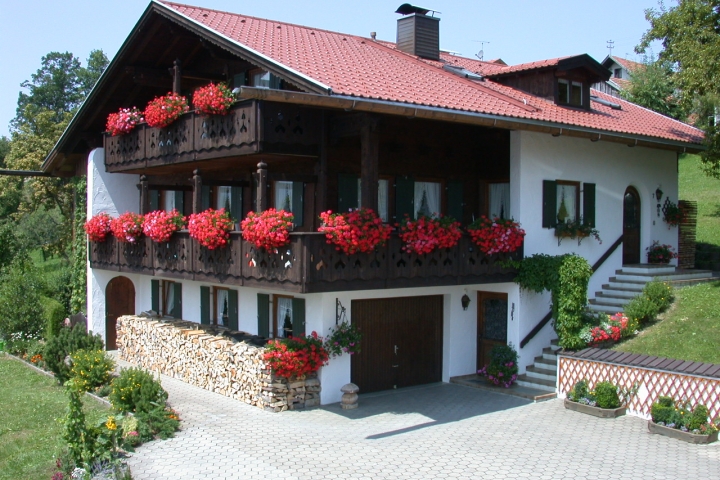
(331, 121)
(620, 70)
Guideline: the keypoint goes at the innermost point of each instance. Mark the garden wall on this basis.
(209, 358)
(695, 382)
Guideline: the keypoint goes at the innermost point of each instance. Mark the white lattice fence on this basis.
(649, 384)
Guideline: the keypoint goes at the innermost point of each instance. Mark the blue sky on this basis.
(517, 31)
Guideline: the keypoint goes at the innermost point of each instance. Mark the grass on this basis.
(689, 330)
(695, 185)
(32, 407)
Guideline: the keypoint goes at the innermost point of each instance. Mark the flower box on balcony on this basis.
(595, 411)
(680, 435)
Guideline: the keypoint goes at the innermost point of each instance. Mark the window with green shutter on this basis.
(589, 204)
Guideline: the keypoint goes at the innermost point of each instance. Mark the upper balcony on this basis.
(252, 126)
(307, 265)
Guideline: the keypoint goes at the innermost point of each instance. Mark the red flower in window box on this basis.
(162, 111)
(213, 99)
(160, 225)
(211, 228)
(425, 234)
(356, 231)
(124, 121)
(269, 229)
(127, 228)
(296, 356)
(497, 235)
(98, 227)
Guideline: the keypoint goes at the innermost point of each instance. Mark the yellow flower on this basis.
(110, 424)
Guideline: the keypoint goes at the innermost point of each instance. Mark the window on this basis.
(427, 199)
(382, 210)
(287, 319)
(567, 200)
(617, 73)
(561, 203)
(265, 80)
(223, 196)
(288, 196)
(499, 200)
(166, 298)
(430, 198)
(219, 306)
(570, 93)
(167, 200)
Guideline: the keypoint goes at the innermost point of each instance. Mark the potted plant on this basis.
(503, 366)
(672, 214)
(602, 402)
(98, 227)
(295, 357)
(124, 121)
(357, 231)
(127, 228)
(160, 225)
(344, 338)
(211, 228)
(213, 99)
(269, 229)
(576, 229)
(162, 111)
(425, 234)
(660, 253)
(679, 421)
(499, 235)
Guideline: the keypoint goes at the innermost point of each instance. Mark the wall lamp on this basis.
(658, 197)
(465, 301)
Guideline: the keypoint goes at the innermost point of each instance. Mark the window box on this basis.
(595, 411)
(680, 435)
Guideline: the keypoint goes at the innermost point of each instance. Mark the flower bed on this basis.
(496, 235)
(211, 228)
(358, 231)
(426, 234)
(98, 227)
(602, 402)
(128, 227)
(213, 99)
(678, 420)
(660, 253)
(162, 111)
(269, 229)
(295, 357)
(160, 225)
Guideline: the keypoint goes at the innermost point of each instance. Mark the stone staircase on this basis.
(542, 375)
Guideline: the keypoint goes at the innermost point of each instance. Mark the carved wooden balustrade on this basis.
(308, 264)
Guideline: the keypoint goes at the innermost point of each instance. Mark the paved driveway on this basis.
(435, 431)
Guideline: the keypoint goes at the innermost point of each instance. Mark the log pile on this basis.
(214, 359)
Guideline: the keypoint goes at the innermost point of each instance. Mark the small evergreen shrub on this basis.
(91, 369)
(698, 418)
(606, 395)
(66, 342)
(580, 390)
(662, 410)
(135, 390)
(21, 316)
(641, 309)
(659, 293)
(54, 314)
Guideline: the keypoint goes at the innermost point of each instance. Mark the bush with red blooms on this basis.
(162, 111)
(296, 356)
(211, 228)
(124, 121)
(213, 99)
(425, 234)
(496, 236)
(98, 227)
(356, 231)
(160, 225)
(269, 229)
(127, 228)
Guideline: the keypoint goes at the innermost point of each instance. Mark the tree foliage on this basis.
(653, 86)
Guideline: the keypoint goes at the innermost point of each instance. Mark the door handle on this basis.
(396, 349)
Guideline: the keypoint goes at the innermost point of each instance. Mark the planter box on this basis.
(680, 435)
(595, 411)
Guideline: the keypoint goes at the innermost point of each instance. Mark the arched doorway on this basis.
(119, 301)
(631, 226)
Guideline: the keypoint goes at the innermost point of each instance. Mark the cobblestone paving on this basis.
(436, 431)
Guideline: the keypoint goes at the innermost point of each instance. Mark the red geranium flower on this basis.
(98, 227)
(426, 234)
(213, 99)
(127, 227)
(124, 121)
(160, 225)
(162, 111)
(356, 231)
(211, 228)
(269, 229)
(497, 235)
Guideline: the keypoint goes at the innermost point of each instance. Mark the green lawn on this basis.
(695, 185)
(32, 406)
(689, 330)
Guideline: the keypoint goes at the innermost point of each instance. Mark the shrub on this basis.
(660, 293)
(606, 395)
(91, 369)
(698, 418)
(662, 410)
(503, 366)
(21, 317)
(159, 421)
(135, 390)
(66, 342)
(641, 309)
(54, 315)
(580, 390)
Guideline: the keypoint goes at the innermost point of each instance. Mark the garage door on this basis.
(401, 343)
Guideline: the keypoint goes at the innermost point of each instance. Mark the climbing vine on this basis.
(78, 279)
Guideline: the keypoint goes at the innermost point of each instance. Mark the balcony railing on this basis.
(308, 264)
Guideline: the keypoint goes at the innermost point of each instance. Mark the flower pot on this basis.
(595, 411)
(680, 435)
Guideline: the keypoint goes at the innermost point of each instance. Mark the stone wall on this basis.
(216, 359)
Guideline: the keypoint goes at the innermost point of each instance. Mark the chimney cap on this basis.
(407, 9)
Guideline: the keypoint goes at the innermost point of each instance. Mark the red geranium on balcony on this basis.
(213, 99)
(162, 111)
(98, 227)
(269, 229)
(496, 236)
(355, 231)
(160, 225)
(211, 228)
(127, 228)
(124, 121)
(425, 234)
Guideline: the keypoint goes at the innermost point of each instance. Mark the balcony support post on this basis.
(261, 201)
(177, 76)
(197, 191)
(369, 153)
(144, 195)
(322, 167)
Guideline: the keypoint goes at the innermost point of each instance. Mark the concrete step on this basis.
(618, 292)
(599, 307)
(647, 269)
(515, 390)
(640, 277)
(537, 383)
(543, 363)
(625, 284)
(550, 354)
(540, 374)
(610, 299)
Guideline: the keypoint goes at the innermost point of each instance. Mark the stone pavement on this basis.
(435, 431)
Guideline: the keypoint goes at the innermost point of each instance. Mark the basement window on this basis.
(570, 93)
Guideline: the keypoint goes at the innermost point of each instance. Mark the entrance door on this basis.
(401, 342)
(492, 324)
(631, 227)
(119, 301)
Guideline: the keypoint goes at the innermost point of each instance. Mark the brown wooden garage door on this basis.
(401, 344)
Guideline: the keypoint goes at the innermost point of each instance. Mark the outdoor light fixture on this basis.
(658, 196)
(465, 300)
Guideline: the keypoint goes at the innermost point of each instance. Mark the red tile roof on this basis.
(629, 65)
(360, 67)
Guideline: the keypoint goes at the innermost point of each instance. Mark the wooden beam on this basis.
(261, 202)
(197, 191)
(322, 168)
(369, 159)
(144, 195)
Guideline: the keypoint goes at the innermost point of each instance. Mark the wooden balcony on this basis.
(307, 265)
(251, 127)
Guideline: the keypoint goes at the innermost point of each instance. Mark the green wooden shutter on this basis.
(298, 203)
(205, 198)
(549, 219)
(205, 305)
(298, 317)
(455, 199)
(233, 309)
(155, 295)
(154, 200)
(176, 309)
(589, 204)
(236, 204)
(404, 197)
(263, 304)
(180, 201)
(347, 192)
